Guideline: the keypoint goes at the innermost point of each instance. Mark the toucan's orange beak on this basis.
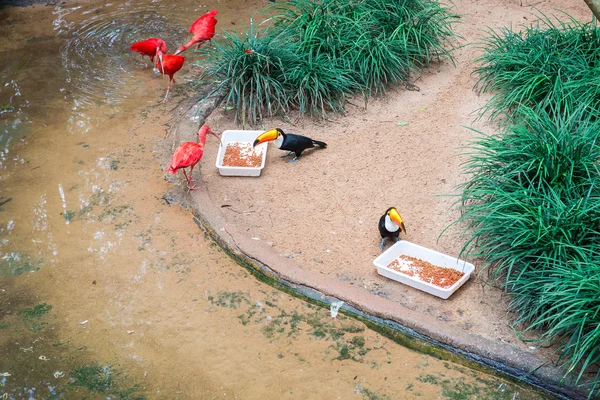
(265, 137)
(395, 216)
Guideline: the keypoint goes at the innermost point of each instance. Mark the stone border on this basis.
(262, 260)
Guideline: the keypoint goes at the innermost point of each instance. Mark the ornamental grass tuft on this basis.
(542, 64)
(532, 203)
(532, 207)
(315, 54)
(249, 68)
(317, 86)
(402, 37)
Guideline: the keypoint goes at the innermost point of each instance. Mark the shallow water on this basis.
(106, 291)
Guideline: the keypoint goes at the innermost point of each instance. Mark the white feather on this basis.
(390, 225)
(278, 142)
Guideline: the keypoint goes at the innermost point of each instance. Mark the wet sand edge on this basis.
(502, 357)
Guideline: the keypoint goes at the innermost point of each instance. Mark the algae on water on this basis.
(35, 312)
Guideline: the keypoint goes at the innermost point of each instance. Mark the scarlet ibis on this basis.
(169, 64)
(288, 141)
(149, 47)
(390, 225)
(188, 154)
(203, 29)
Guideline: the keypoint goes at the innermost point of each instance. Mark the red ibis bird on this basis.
(203, 29)
(390, 225)
(188, 154)
(149, 47)
(169, 64)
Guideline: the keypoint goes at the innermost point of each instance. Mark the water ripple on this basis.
(13, 122)
(95, 56)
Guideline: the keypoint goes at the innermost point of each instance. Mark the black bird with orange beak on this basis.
(288, 141)
(390, 225)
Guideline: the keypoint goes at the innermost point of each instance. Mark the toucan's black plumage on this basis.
(288, 141)
(384, 232)
(298, 143)
(394, 220)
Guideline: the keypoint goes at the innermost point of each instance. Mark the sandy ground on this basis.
(323, 210)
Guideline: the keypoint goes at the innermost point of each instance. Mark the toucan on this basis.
(288, 141)
(390, 225)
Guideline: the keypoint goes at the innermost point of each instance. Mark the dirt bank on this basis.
(322, 211)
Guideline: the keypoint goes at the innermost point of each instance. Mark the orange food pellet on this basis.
(425, 271)
(241, 155)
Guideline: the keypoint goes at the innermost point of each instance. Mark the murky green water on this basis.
(106, 291)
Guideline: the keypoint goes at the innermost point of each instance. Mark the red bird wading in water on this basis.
(149, 47)
(203, 29)
(188, 154)
(169, 64)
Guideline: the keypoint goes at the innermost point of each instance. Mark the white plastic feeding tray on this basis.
(438, 259)
(232, 136)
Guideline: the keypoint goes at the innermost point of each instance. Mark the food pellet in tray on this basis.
(239, 154)
(425, 271)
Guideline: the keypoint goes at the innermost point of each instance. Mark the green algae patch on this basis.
(484, 389)
(25, 267)
(17, 264)
(106, 380)
(38, 327)
(120, 216)
(354, 350)
(344, 353)
(35, 312)
(93, 377)
(69, 215)
(246, 318)
(371, 395)
(228, 299)
(358, 341)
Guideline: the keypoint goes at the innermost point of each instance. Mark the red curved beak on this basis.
(217, 136)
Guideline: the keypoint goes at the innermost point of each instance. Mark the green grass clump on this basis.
(532, 203)
(314, 54)
(320, 26)
(567, 306)
(544, 64)
(396, 38)
(378, 42)
(250, 69)
(317, 86)
(532, 207)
